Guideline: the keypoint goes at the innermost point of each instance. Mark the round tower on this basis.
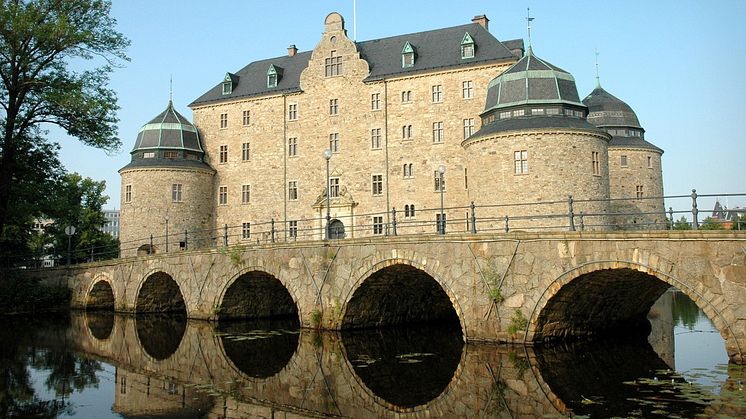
(166, 189)
(635, 171)
(535, 149)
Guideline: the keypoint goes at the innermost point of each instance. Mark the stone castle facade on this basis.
(414, 123)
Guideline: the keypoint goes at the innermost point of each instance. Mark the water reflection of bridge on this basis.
(320, 375)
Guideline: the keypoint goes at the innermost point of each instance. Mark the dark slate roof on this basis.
(632, 142)
(535, 122)
(606, 110)
(514, 44)
(166, 163)
(169, 130)
(436, 49)
(532, 81)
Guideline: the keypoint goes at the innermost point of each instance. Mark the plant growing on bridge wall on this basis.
(236, 256)
(492, 277)
(517, 322)
(316, 318)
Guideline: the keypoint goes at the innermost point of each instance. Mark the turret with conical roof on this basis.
(535, 135)
(635, 172)
(164, 188)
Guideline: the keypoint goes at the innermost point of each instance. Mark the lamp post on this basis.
(442, 223)
(69, 230)
(166, 218)
(327, 156)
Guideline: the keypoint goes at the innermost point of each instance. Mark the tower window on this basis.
(176, 192)
(407, 56)
(375, 138)
(650, 162)
(638, 191)
(128, 193)
(595, 163)
(623, 161)
(408, 170)
(520, 159)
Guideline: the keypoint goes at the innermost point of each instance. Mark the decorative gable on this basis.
(407, 56)
(467, 46)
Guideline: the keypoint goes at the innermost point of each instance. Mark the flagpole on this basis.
(354, 20)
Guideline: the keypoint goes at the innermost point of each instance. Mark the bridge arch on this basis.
(256, 293)
(100, 295)
(565, 294)
(375, 300)
(159, 292)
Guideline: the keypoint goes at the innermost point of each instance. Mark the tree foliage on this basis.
(710, 223)
(38, 41)
(682, 224)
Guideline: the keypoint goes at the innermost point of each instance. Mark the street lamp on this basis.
(442, 224)
(166, 218)
(327, 156)
(69, 230)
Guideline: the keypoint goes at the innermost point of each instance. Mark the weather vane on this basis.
(528, 20)
(598, 79)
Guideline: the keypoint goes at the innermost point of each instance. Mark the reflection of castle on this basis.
(507, 127)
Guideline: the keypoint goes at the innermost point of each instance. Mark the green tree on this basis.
(80, 203)
(739, 223)
(682, 224)
(710, 223)
(38, 40)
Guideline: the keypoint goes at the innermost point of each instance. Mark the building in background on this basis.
(112, 222)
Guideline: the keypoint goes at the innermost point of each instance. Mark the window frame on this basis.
(292, 190)
(223, 154)
(376, 184)
(245, 194)
(375, 139)
(246, 151)
(292, 148)
(437, 91)
(246, 118)
(467, 89)
(438, 132)
(224, 120)
(223, 195)
(176, 192)
(520, 162)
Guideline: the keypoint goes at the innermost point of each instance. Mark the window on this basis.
(245, 151)
(650, 162)
(406, 132)
(245, 231)
(227, 86)
(334, 187)
(128, 193)
(378, 225)
(467, 46)
(223, 154)
(521, 162)
(467, 89)
(245, 194)
(505, 114)
(466, 179)
(375, 101)
(440, 223)
(408, 170)
(553, 111)
(223, 195)
(293, 229)
(293, 190)
(623, 161)
(437, 93)
(407, 56)
(292, 112)
(223, 120)
(519, 112)
(468, 127)
(333, 64)
(292, 147)
(406, 96)
(638, 191)
(537, 111)
(377, 184)
(437, 132)
(375, 138)
(333, 106)
(171, 155)
(334, 142)
(148, 155)
(176, 192)
(246, 118)
(596, 164)
(409, 211)
(440, 181)
(274, 74)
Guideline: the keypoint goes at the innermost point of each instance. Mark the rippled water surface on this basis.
(101, 365)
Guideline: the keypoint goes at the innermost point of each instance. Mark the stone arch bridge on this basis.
(519, 287)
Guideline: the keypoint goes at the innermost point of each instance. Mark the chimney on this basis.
(292, 50)
(482, 20)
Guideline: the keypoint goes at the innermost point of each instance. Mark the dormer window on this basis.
(229, 83)
(467, 46)
(407, 56)
(274, 74)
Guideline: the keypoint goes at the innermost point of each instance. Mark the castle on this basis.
(400, 127)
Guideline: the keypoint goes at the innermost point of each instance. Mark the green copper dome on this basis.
(169, 130)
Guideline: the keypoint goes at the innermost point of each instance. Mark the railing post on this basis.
(507, 227)
(473, 218)
(273, 229)
(582, 222)
(695, 211)
(393, 220)
(150, 249)
(670, 215)
(570, 213)
(225, 235)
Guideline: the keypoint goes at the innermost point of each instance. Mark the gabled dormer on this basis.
(407, 56)
(467, 46)
(274, 74)
(230, 81)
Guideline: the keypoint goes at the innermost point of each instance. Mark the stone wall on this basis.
(624, 180)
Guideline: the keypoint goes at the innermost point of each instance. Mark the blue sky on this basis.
(677, 63)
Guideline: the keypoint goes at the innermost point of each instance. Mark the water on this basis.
(101, 365)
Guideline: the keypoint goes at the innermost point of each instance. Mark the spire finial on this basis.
(598, 79)
(528, 20)
(171, 89)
